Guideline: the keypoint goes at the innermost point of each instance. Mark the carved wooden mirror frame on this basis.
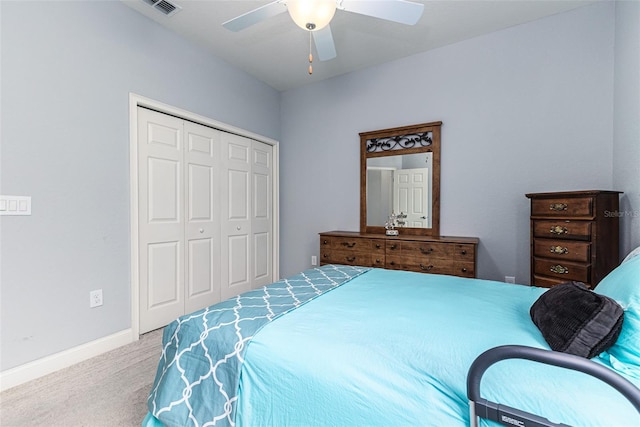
(420, 138)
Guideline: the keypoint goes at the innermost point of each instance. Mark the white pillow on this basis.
(633, 253)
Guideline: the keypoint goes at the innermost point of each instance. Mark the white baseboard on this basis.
(49, 364)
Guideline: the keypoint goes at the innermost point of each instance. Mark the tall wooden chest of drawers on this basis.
(440, 255)
(574, 236)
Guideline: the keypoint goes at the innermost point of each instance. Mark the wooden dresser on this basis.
(574, 236)
(440, 255)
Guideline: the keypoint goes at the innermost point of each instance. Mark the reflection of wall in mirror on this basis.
(379, 195)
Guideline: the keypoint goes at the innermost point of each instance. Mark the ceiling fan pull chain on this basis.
(310, 56)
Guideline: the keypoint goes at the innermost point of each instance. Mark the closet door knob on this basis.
(238, 228)
(201, 230)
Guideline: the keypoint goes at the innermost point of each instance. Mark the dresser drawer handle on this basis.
(464, 269)
(350, 258)
(349, 245)
(463, 252)
(427, 268)
(325, 242)
(426, 251)
(559, 250)
(377, 245)
(378, 261)
(558, 229)
(558, 207)
(559, 269)
(393, 247)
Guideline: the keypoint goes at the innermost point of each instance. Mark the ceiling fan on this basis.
(315, 15)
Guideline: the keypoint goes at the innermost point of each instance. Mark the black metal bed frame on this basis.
(508, 416)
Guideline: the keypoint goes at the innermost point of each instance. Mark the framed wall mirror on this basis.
(400, 180)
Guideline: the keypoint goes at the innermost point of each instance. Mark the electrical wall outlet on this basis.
(314, 260)
(510, 279)
(95, 298)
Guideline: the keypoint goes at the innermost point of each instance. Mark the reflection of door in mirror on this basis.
(400, 184)
(410, 195)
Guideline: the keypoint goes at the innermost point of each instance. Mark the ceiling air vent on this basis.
(164, 6)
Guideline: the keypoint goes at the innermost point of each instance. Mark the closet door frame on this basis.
(136, 101)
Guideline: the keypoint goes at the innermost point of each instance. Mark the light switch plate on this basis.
(15, 205)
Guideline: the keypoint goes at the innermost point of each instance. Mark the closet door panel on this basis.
(160, 217)
(261, 259)
(262, 213)
(236, 220)
(164, 273)
(202, 224)
(200, 271)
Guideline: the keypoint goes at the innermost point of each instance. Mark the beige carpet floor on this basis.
(109, 390)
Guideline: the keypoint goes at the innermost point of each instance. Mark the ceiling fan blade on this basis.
(323, 40)
(402, 11)
(256, 15)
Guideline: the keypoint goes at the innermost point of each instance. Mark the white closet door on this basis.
(205, 216)
(160, 219)
(262, 214)
(236, 215)
(202, 222)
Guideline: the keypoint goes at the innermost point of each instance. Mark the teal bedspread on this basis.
(197, 378)
(392, 348)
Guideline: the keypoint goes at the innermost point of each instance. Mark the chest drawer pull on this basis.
(350, 258)
(558, 207)
(349, 245)
(325, 242)
(393, 247)
(559, 250)
(558, 229)
(377, 245)
(426, 251)
(427, 268)
(558, 269)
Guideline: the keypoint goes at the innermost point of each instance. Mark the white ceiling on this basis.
(276, 51)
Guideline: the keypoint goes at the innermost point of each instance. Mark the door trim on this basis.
(136, 101)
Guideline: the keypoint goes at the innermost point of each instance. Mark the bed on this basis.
(352, 346)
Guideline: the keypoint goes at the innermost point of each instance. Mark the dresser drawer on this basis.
(563, 207)
(420, 264)
(464, 269)
(337, 256)
(346, 243)
(562, 270)
(562, 250)
(421, 249)
(464, 252)
(576, 230)
(546, 282)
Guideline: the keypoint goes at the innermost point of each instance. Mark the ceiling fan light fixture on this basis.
(311, 15)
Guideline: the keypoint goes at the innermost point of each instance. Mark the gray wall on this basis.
(67, 70)
(526, 109)
(626, 136)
